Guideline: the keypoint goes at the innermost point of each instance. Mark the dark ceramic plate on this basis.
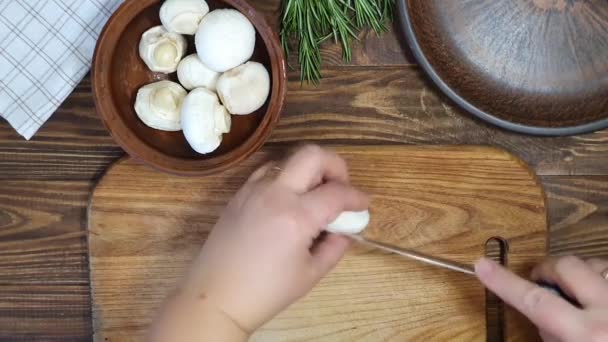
(532, 66)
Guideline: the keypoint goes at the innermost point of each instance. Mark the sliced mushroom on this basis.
(204, 120)
(244, 89)
(159, 104)
(183, 16)
(192, 73)
(162, 50)
(225, 39)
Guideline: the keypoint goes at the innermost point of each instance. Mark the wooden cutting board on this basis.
(145, 227)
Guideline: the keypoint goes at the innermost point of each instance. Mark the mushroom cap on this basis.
(225, 39)
(162, 50)
(244, 89)
(159, 104)
(183, 16)
(350, 222)
(192, 73)
(204, 120)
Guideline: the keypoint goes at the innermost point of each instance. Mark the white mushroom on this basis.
(183, 16)
(204, 120)
(192, 73)
(159, 104)
(244, 89)
(225, 39)
(350, 222)
(162, 50)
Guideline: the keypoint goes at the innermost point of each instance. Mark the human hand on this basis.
(264, 252)
(556, 319)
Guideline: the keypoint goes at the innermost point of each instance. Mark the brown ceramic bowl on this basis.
(118, 73)
(533, 66)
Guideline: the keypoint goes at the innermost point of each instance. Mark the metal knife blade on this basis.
(411, 254)
(447, 264)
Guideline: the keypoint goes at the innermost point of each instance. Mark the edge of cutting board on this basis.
(369, 148)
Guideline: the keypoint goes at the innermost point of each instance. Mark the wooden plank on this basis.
(46, 295)
(72, 145)
(388, 105)
(44, 281)
(457, 198)
(394, 105)
(578, 215)
(360, 106)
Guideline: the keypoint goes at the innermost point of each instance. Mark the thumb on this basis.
(328, 252)
(327, 201)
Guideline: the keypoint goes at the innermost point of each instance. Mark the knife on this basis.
(446, 264)
(411, 254)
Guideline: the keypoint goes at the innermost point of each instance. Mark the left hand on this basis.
(265, 252)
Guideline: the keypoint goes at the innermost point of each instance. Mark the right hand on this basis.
(556, 319)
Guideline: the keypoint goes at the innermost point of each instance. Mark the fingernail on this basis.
(484, 267)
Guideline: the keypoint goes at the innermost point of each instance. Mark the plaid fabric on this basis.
(46, 48)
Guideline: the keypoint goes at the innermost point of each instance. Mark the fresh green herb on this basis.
(311, 22)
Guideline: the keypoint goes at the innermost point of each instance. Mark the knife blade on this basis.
(446, 264)
(414, 255)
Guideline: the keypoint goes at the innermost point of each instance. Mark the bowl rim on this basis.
(412, 40)
(140, 150)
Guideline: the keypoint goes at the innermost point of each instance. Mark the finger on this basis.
(253, 181)
(546, 337)
(260, 173)
(575, 277)
(547, 311)
(327, 253)
(310, 166)
(325, 203)
(597, 265)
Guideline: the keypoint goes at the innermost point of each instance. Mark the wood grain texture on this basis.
(384, 105)
(353, 105)
(578, 215)
(72, 145)
(44, 280)
(145, 227)
(402, 108)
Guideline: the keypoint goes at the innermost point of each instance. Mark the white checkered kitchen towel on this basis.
(46, 48)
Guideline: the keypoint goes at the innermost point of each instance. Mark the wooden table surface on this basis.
(382, 97)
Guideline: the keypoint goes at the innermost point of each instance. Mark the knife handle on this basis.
(558, 292)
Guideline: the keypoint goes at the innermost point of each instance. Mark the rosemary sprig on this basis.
(387, 7)
(311, 22)
(369, 13)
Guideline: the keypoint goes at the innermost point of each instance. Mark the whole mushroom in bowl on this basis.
(183, 16)
(225, 39)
